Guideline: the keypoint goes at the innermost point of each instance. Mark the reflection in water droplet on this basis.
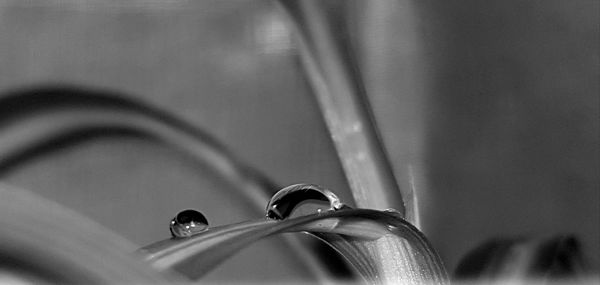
(187, 223)
(300, 200)
(395, 213)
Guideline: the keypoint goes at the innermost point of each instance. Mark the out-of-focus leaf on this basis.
(524, 260)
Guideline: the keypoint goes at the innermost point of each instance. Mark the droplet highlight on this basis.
(394, 212)
(300, 200)
(188, 223)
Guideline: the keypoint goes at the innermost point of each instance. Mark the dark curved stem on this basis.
(36, 119)
(40, 120)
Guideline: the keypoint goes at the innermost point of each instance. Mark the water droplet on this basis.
(300, 200)
(394, 212)
(188, 223)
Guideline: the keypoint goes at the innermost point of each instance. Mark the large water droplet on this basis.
(300, 200)
(188, 223)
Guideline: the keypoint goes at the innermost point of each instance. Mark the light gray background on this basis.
(489, 107)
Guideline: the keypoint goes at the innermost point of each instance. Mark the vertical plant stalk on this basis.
(342, 98)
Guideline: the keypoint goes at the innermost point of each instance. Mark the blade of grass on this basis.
(352, 232)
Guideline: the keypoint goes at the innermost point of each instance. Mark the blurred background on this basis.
(489, 109)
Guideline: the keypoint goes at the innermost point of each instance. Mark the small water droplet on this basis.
(300, 200)
(188, 223)
(394, 212)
